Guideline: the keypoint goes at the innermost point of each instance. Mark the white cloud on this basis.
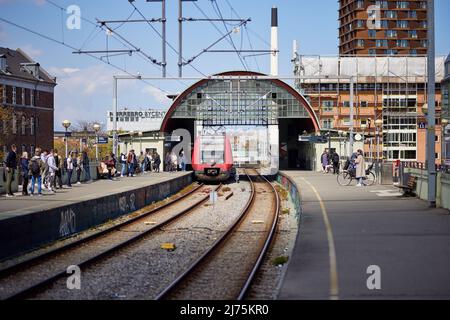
(156, 94)
(34, 53)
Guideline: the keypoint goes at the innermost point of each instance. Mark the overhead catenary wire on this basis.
(75, 49)
(165, 40)
(229, 35)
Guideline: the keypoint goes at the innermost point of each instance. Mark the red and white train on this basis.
(212, 158)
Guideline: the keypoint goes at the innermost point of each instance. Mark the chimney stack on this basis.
(274, 43)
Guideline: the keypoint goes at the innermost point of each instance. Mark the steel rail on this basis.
(40, 285)
(216, 245)
(23, 264)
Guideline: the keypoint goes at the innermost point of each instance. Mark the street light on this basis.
(140, 134)
(96, 127)
(66, 124)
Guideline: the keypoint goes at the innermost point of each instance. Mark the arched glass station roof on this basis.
(240, 100)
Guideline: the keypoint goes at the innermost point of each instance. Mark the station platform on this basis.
(29, 222)
(347, 232)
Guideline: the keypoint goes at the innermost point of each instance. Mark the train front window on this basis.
(212, 149)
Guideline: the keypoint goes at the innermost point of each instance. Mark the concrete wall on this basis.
(25, 232)
(294, 192)
(442, 187)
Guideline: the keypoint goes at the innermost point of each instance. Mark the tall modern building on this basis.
(382, 27)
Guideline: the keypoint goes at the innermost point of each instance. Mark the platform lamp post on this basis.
(96, 127)
(66, 124)
(444, 123)
(140, 134)
(378, 125)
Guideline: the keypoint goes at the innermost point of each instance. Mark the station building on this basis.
(26, 102)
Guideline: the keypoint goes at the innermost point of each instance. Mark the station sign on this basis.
(312, 139)
(102, 140)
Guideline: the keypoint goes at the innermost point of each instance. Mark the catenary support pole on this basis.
(431, 130)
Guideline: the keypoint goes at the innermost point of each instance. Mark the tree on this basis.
(6, 114)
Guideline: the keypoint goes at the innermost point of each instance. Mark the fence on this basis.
(419, 170)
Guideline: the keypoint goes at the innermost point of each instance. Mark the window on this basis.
(372, 33)
(391, 52)
(31, 97)
(389, 14)
(403, 43)
(412, 34)
(346, 104)
(24, 125)
(32, 126)
(14, 124)
(23, 96)
(346, 121)
(413, 52)
(403, 24)
(383, 4)
(327, 105)
(391, 33)
(2, 93)
(381, 43)
(360, 43)
(14, 95)
(327, 123)
(402, 4)
(364, 104)
(384, 24)
(412, 14)
(372, 52)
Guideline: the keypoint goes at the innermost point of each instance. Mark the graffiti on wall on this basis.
(126, 206)
(293, 193)
(67, 225)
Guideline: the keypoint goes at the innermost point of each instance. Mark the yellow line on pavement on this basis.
(334, 287)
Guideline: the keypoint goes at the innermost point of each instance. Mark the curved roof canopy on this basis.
(237, 98)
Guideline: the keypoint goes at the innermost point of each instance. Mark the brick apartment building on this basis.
(401, 27)
(27, 102)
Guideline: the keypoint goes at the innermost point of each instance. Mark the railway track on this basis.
(47, 268)
(227, 269)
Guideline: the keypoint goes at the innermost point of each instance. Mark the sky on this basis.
(84, 89)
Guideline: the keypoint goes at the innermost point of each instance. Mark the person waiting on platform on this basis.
(325, 160)
(360, 168)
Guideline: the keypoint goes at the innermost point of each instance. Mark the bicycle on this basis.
(346, 176)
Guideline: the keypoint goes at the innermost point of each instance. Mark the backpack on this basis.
(35, 169)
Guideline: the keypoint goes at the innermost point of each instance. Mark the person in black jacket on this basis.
(335, 159)
(11, 166)
(86, 168)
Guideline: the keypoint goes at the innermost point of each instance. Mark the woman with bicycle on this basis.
(360, 168)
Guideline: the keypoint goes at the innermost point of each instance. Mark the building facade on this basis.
(390, 89)
(27, 103)
(382, 27)
(136, 120)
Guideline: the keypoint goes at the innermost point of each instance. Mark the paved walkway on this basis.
(344, 230)
(19, 205)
